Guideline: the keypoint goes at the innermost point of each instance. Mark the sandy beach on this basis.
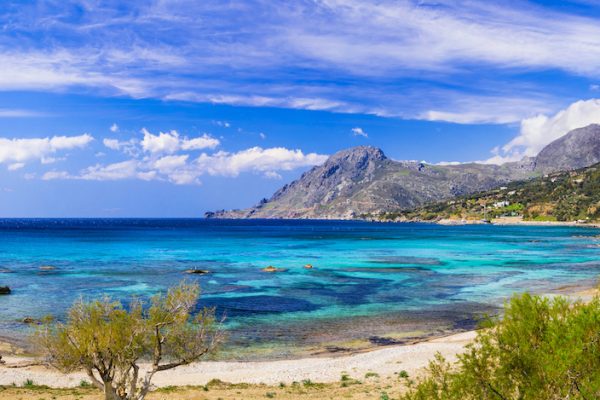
(385, 362)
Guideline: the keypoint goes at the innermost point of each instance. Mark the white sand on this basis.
(385, 362)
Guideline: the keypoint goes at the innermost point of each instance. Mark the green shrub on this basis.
(541, 349)
(109, 342)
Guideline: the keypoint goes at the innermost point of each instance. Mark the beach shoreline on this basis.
(384, 361)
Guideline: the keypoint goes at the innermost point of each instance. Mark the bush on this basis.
(541, 349)
(108, 342)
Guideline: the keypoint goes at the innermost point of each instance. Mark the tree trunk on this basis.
(109, 392)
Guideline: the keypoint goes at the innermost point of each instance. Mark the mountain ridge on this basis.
(363, 180)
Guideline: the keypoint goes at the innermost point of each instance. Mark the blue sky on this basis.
(172, 108)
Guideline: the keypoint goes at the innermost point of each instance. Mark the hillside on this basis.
(559, 196)
(362, 180)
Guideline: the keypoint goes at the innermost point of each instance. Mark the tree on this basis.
(541, 349)
(111, 343)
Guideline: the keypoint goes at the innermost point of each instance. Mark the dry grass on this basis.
(366, 387)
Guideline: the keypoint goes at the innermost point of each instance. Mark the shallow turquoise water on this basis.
(368, 279)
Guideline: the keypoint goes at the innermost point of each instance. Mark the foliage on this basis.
(541, 349)
(561, 196)
(109, 342)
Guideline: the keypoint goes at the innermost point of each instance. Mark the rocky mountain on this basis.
(362, 180)
(577, 149)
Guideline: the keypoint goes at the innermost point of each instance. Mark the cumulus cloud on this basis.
(538, 131)
(257, 159)
(114, 128)
(116, 171)
(17, 151)
(170, 142)
(359, 132)
(179, 169)
(129, 147)
(170, 163)
(51, 175)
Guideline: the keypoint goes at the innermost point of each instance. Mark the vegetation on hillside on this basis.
(541, 349)
(561, 196)
(108, 341)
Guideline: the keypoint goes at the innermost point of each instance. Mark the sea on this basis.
(370, 285)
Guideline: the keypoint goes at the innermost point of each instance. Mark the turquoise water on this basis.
(371, 283)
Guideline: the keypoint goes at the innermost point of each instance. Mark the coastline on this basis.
(517, 221)
(386, 362)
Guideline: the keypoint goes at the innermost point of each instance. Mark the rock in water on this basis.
(197, 271)
(5, 290)
(271, 268)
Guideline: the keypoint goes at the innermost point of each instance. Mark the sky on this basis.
(172, 108)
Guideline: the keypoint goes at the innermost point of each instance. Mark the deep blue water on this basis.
(370, 281)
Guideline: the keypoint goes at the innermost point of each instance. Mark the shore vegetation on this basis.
(541, 349)
(121, 349)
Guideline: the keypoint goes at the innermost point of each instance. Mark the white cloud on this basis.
(24, 150)
(15, 166)
(170, 163)
(113, 144)
(538, 131)
(257, 159)
(469, 109)
(170, 142)
(272, 175)
(161, 143)
(369, 45)
(289, 101)
(180, 170)
(117, 171)
(114, 128)
(262, 135)
(199, 143)
(51, 175)
(129, 147)
(17, 113)
(359, 132)
(595, 87)
(223, 124)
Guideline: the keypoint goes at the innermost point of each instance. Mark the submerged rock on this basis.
(271, 268)
(29, 320)
(197, 271)
(5, 290)
(47, 268)
(308, 266)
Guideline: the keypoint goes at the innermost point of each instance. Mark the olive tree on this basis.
(122, 349)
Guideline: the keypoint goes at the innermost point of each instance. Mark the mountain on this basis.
(577, 149)
(558, 196)
(363, 181)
